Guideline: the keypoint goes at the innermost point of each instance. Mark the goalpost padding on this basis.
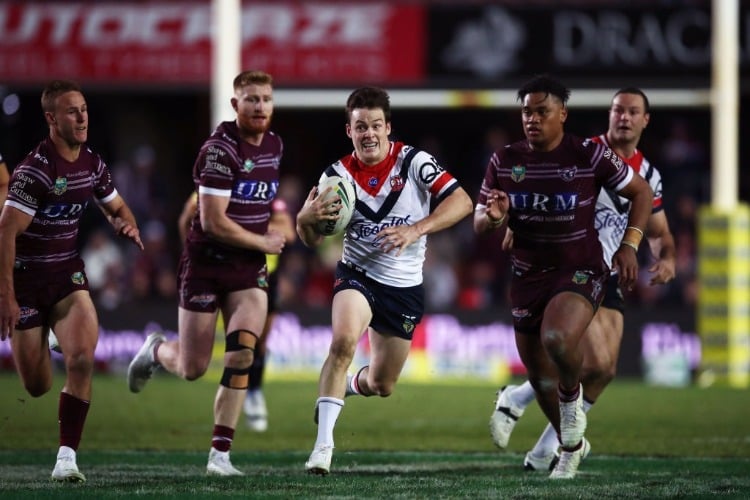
(724, 294)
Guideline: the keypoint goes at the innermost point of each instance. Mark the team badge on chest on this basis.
(248, 165)
(61, 185)
(517, 173)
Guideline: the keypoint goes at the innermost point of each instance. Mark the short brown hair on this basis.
(55, 89)
(254, 77)
(369, 98)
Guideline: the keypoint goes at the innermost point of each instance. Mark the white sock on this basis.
(523, 395)
(586, 405)
(328, 412)
(548, 442)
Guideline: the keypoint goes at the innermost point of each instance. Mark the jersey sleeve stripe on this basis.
(110, 197)
(224, 193)
(21, 207)
(438, 187)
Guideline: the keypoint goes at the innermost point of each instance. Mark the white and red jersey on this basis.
(395, 192)
(612, 210)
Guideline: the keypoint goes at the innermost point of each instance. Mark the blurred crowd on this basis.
(462, 271)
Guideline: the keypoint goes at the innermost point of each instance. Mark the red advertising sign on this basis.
(170, 43)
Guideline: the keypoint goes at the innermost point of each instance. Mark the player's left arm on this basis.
(12, 223)
(661, 243)
(118, 214)
(641, 201)
(452, 209)
(4, 180)
(449, 211)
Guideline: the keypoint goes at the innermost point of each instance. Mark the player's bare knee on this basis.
(543, 385)
(193, 371)
(82, 363)
(382, 388)
(607, 375)
(554, 341)
(342, 351)
(600, 371)
(37, 388)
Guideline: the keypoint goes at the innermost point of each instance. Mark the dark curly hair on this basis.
(547, 85)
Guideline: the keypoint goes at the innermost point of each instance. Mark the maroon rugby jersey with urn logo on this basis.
(247, 174)
(553, 200)
(55, 192)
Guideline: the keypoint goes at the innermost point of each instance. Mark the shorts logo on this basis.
(248, 165)
(408, 324)
(77, 278)
(61, 185)
(203, 299)
(580, 278)
(519, 313)
(263, 277)
(27, 313)
(517, 173)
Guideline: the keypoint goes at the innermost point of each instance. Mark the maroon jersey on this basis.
(55, 192)
(553, 200)
(248, 175)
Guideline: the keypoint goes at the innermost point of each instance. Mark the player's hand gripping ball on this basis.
(344, 190)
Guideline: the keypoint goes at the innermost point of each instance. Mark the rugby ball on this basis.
(345, 191)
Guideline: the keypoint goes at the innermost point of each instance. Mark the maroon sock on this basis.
(568, 396)
(222, 438)
(71, 416)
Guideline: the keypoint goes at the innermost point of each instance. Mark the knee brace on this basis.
(238, 340)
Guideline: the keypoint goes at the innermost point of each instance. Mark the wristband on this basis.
(634, 235)
(495, 222)
(636, 229)
(630, 244)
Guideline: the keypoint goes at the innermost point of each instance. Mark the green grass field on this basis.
(425, 441)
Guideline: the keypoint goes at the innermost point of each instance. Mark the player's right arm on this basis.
(492, 213)
(215, 172)
(12, 223)
(186, 216)
(282, 222)
(492, 206)
(308, 217)
(218, 226)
